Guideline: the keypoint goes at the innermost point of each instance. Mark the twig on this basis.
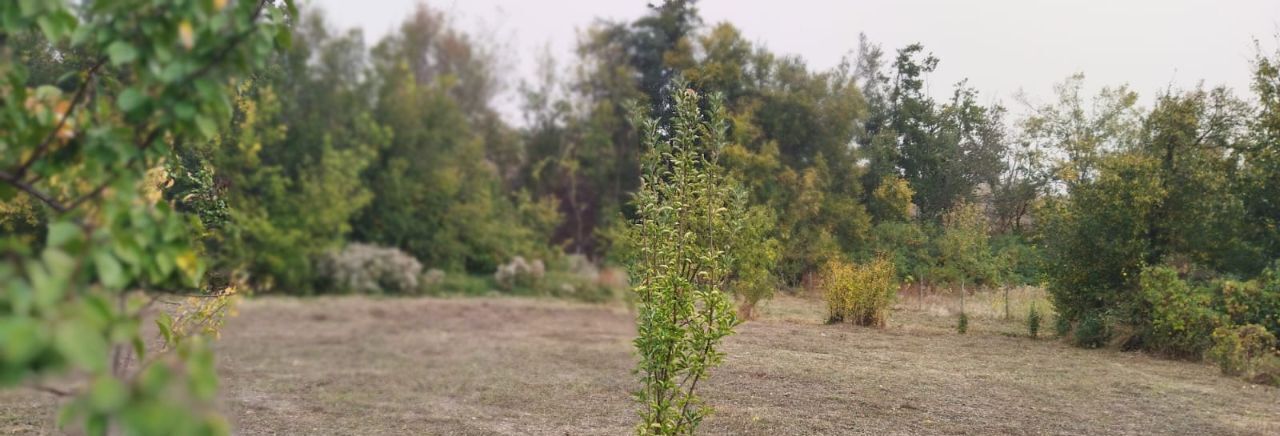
(96, 191)
(17, 182)
(53, 390)
(48, 139)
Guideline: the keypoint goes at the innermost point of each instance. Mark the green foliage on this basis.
(683, 256)
(753, 278)
(89, 154)
(861, 294)
(1143, 193)
(278, 187)
(964, 254)
(1033, 322)
(1239, 350)
(462, 284)
(281, 212)
(908, 245)
(438, 195)
(1094, 242)
(1181, 315)
(962, 324)
(1016, 261)
(1092, 331)
(1259, 183)
(1061, 326)
(1255, 301)
(891, 200)
(944, 151)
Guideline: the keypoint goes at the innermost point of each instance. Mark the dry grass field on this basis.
(356, 365)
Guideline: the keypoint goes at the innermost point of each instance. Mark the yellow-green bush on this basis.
(1239, 350)
(861, 294)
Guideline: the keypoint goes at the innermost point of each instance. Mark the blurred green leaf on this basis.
(121, 53)
(109, 270)
(83, 346)
(19, 340)
(107, 394)
(207, 127)
(61, 232)
(130, 99)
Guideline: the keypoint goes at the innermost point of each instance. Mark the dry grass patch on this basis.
(357, 365)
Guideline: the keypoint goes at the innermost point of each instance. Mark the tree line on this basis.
(399, 144)
(202, 147)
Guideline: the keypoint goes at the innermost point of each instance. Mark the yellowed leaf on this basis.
(186, 35)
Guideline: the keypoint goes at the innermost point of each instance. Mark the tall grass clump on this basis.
(860, 293)
(682, 256)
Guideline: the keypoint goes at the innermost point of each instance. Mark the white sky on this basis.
(1001, 46)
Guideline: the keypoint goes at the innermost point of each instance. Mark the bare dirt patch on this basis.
(357, 365)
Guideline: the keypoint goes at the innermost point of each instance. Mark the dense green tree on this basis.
(1193, 137)
(945, 151)
(1163, 194)
(659, 46)
(437, 195)
(1258, 184)
(281, 184)
(1077, 133)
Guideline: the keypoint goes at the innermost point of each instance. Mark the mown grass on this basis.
(360, 365)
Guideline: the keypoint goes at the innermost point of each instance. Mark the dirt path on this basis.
(510, 366)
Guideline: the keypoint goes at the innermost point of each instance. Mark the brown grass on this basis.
(356, 365)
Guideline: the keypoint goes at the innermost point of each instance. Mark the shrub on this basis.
(1254, 302)
(519, 274)
(365, 268)
(580, 265)
(753, 278)
(1181, 319)
(861, 294)
(962, 325)
(1061, 326)
(433, 278)
(1092, 241)
(1092, 331)
(681, 257)
(1033, 322)
(1238, 350)
(1267, 370)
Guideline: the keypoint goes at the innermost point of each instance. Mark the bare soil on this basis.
(357, 365)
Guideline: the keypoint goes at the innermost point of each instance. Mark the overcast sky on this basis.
(1001, 46)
